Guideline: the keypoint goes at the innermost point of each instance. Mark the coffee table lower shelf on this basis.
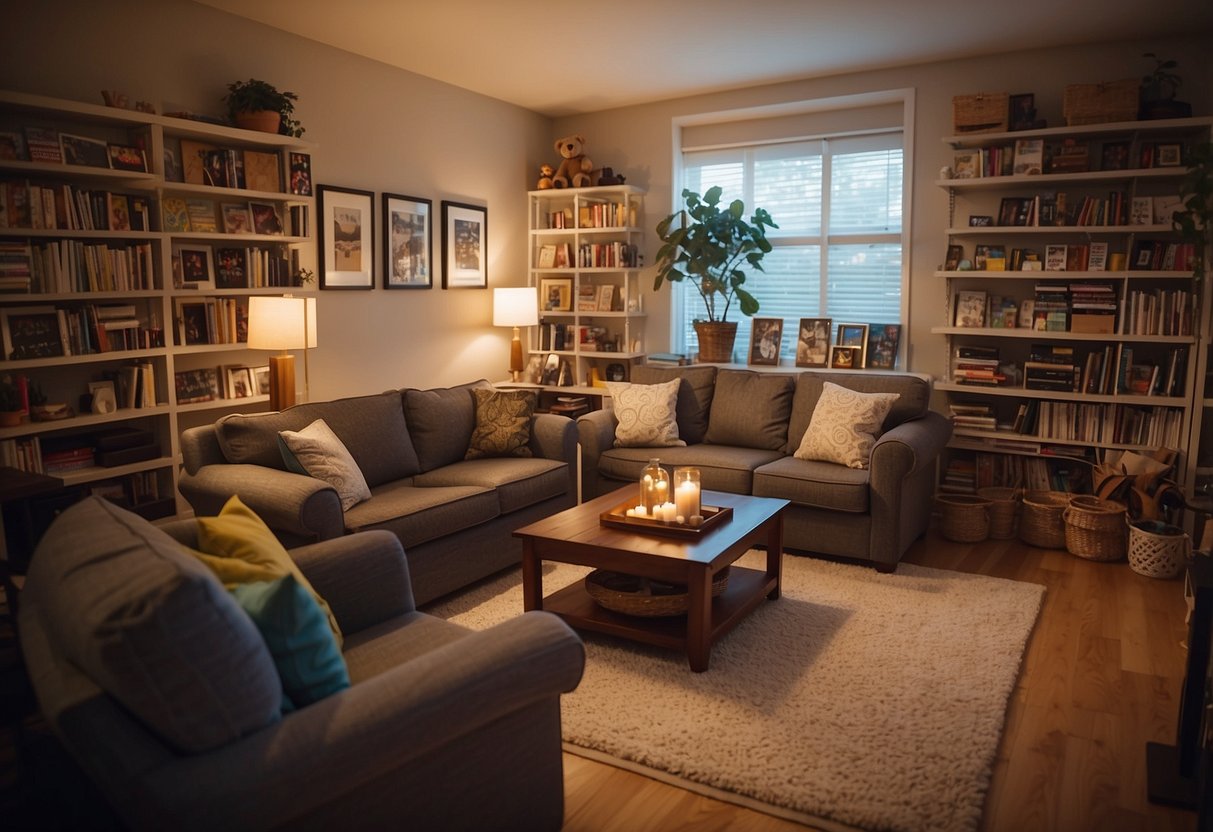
(746, 590)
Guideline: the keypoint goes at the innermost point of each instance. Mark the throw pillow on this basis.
(646, 414)
(239, 548)
(297, 634)
(324, 457)
(503, 423)
(845, 426)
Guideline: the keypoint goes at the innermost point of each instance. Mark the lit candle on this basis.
(639, 511)
(686, 497)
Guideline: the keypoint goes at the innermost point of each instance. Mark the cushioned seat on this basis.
(518, 481)
(379, 648)
(817, 484)
(416, 515)
(721, 467)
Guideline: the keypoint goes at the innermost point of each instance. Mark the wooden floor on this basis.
(1101, 678)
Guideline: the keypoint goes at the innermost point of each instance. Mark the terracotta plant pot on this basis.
(266, 121)
(716, 340)
(11, 418)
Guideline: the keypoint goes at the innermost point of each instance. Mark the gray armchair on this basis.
(441, 728)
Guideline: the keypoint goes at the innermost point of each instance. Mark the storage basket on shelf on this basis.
(1004, 509)
(1101, 103)
(1040, 520)
(985, 112)
(1095, 528)
(964, 518)
(1157, 550)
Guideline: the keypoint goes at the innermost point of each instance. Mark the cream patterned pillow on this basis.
(845, 426)
(318, 450)
(646, 414)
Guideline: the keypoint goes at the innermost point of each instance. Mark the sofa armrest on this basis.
(555, 437)
(908, 447)
(300, 509)
(200, 446)
(336, 746)
(902, 484)
(364, 577)
(596, 433)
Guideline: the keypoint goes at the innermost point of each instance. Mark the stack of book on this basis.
(571, 406)
(63, 454)
(1051, 367)
(15, 274)
(1051, 308)
(1092, 308)
(973, 416)
(667, 359)
(977, 366)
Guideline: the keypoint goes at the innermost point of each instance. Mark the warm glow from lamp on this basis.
(282, 323)
(515, 307)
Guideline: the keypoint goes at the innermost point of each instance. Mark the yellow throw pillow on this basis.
(845, 426)
(239, 548)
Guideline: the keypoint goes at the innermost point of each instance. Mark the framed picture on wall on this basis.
(406, 242)
(464, 246)
(346, 235)
(813, 342)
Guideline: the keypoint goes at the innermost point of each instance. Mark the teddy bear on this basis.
(575, 167)
(545, 177)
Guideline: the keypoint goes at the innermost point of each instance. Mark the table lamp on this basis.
(515, 307)
(282, 323)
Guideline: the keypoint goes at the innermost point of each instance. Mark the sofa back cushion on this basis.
(149, 624)
(750, 410)
(913, 402)
(441, 422)
(694, 396)
(372, 428)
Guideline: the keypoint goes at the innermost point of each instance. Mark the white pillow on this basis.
(646, 414)
(845, 425)
(323, 456)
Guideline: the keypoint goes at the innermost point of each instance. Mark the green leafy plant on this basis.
(10, 397)
(709, 246)
(253, 95)
(37, 397)
(1194, 222)
(1162, 83)
(304, 277)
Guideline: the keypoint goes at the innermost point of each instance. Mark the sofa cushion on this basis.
(418, 515)
(153, 627)
(822, 485)
(372, 428)
(721, 467)
(503, 423)
(750, 410)
(441, 422)
(518, 483)
(694, 395)
(318, 451)
(914, 402)
(297, 634)
(845, 426)
(645, 414)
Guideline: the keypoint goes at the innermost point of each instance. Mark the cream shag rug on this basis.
(855, 700)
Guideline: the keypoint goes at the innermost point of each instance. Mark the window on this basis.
(838, 250)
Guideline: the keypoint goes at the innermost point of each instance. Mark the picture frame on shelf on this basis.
(407, 232)
(547, 257)
(263, 171)
(176, 215)
(118, 207)
(843, 358)
(300, 173)
(970, 309)
(1168, 155)
(606, 297)
(102, 397)
(236, 218)
(261, 380)
(127, 157)
(955, 254)
(884, 343)
(464, 246)
(197, 267)
(1021, 113)
(32, 332)
(196, 386)
(346, 238)
(556, 294)
(84, 151)
(813, 342)
(267, 218)
(766, 339)
(1114, 155)
(192, 327)
(980, 220)
(238, 382)
(231, 268)
(854, 335)
(202, 218)
(12, 146)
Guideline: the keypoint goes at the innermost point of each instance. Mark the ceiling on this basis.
(563, 60)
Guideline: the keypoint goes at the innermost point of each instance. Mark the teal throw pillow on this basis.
(297, 633)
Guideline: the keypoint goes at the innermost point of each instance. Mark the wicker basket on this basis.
(632, 595)
(985, 112)
(716, 340)
(1157, 550)
(1004, 510)
(1100, 103)
(964, 518)
(1040, 521)
(1095, 529)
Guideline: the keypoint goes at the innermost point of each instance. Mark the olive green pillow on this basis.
(503, 423)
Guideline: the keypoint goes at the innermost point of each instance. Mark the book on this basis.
(42, 145)
(201, 215)
(1029, 157)
(266, 219)
(193, 161)
(176, 214)
(967, 165)
(231, 268)
(301, 174)
(236, 218)
(126, 157)
(1055, 258)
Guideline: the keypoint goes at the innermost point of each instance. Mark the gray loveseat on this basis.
(742, 427)
(162, 688)
(453, 516)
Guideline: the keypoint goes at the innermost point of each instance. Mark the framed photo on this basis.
(1167, 155)
(197, 271)
(980, 220)
(844, 358)
(884, 341)
(266, 218)
(550, 375)
(1114, 156)
(231, 268)
(1022, 115)
(407, 259)
(301, 174)
(346, 234)
(970, 309)
(956, 253)
(556, 294)
(202, 216)
(81, 150)
(606, 297)
(118, 207)
(192, 326)
(813, 342)
(125, 157)
(854, 335)
(261, 380)
(236, 218)
(194, 386)
(239, 382)
(464, 246)
(766, 337)
(32, 332)
(547, 257)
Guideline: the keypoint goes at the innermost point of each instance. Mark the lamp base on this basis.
(282, 381)
(516, 357)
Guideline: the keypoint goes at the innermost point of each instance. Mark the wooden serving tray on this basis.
(617, 517)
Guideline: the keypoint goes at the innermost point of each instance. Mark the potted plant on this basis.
(1158, 90)
(1194, 221)
(709, 246)
(257, 105)
(10, 404)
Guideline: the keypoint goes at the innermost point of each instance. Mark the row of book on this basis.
(556, 336)
(212, 321)
(1111, 370)
(254, 268)
(1069, 155)
(1102, 423)
(228, 167)
(966, 472)
(1158, 255)
(595, 215)
(94, 328)
(25, 204)
(607, 256)
(200, 216)
(207, 384)
(68, 266)
(1055, 209)
(1087, 307)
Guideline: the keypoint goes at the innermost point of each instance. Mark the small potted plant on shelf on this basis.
(10, 404)
(709, 246)
(1158, 90)
(257, 105)
(1194, 221)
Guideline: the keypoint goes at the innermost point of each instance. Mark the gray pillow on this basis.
(441, 422)
(750, 410)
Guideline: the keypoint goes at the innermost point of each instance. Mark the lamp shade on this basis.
(515, 306)
(280, 323)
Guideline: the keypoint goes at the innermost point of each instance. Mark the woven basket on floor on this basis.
(1004, 509)
(964, 518)
(643, 596)
(1157, 550)
(1095, 529)
(1040, 521)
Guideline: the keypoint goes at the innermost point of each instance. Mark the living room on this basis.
(382, 129)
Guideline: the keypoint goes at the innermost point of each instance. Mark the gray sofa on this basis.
(162, 689)
(742, 427)
(453, 516)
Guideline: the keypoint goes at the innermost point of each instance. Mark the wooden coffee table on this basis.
(576, 536)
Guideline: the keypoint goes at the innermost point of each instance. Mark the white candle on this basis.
(670, 511)
(639, 511)
(686, 497)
